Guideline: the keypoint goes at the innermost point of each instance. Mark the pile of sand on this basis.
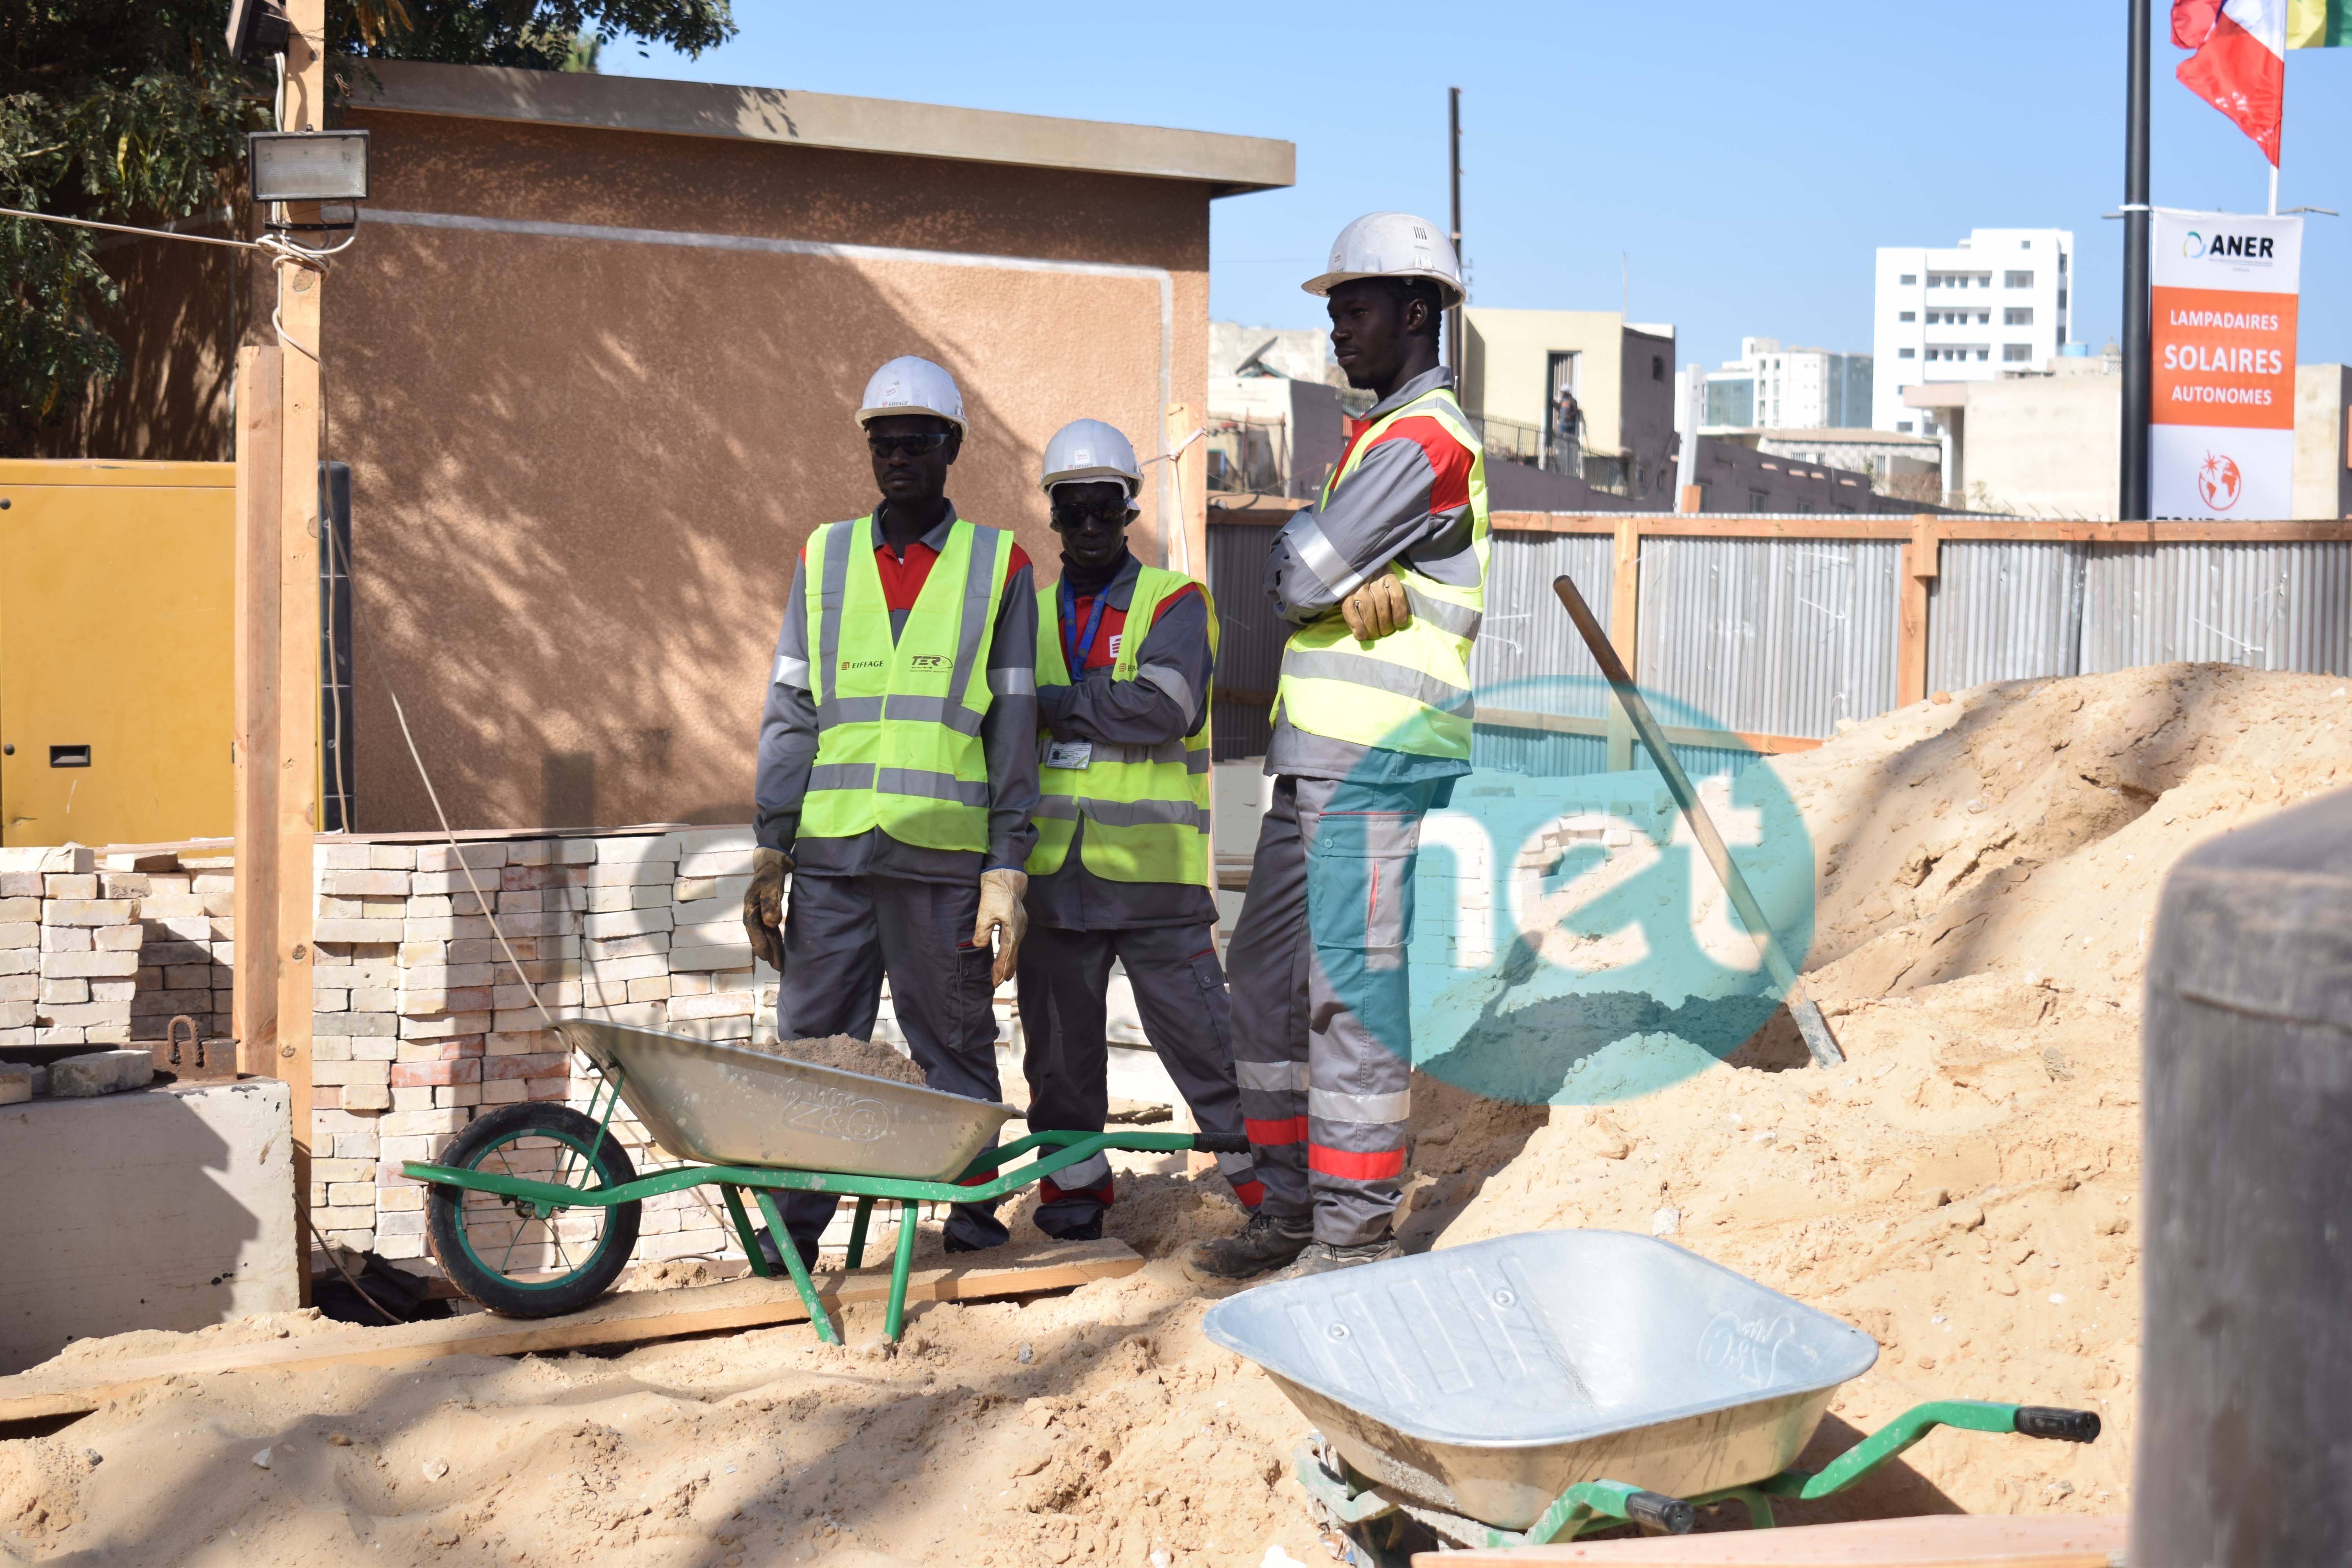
(1963, 1188)
(873, 1059)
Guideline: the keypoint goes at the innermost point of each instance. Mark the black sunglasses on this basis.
(1071, 514)
(906, 445)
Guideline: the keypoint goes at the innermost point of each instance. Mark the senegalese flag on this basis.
(2240, 66)
(2318, 24)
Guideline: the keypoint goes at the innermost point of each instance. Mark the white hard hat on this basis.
(1086, 450)
(911, 386)
(1392, 245)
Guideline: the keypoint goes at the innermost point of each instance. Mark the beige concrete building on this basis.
(1516, 364)
(594, 361)
(2050, 444)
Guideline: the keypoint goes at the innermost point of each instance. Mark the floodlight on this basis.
(257, 28)
(307, 166)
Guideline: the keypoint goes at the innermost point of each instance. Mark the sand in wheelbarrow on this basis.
(871, 1058)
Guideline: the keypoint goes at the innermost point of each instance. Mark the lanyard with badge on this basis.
(1075, 754)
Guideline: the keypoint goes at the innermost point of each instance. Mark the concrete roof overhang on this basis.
(1230, 165)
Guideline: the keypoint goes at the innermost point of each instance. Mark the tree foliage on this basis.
(129, 112)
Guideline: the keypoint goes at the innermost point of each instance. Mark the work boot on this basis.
(1322, 1256)
(773, 1256)
(1072, 1213)
(1266, 1242)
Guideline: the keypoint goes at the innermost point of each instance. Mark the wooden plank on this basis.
(1625, 608)
(1920, 552)
(259, 418)
(1935, 1541)
(298, 314)
(632, 1318)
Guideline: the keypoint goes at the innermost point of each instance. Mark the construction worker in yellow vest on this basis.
(1383, 583)
(1121, 870)
(897, 770)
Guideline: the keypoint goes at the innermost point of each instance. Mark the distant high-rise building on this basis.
(1773, 388)
(1995, 304)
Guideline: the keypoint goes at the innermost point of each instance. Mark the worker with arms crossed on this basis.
(897, 769)
(1122, 869)
(1384, 582)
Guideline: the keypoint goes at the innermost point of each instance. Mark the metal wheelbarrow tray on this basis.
(534, 1210)
(1551, 1382)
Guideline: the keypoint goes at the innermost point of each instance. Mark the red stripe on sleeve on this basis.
(1353, 1167)
(1449, 459)
(1175, 598)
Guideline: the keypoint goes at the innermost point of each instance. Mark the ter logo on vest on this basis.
(931, 661)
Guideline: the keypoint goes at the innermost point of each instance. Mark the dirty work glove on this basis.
(1376, 608)
(764, 906)
(1000, 911)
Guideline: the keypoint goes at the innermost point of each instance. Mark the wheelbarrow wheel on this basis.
(521, 1258)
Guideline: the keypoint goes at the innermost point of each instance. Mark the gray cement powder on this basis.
(871, 1058)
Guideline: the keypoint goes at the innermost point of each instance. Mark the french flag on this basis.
(2240, 66)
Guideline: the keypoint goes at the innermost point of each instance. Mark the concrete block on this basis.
(75, 860)
(99, 1072)
(67, 965)
(172, 1209)
(69, 885)
(16, 1082)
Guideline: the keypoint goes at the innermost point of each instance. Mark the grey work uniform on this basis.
(869, 905)
(1322, 1039)
(1161, 932)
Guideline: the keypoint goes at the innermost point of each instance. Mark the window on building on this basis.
(1908, 279)
(1904, 425)
(2062, 299)
(1658, 367)
(1909, 316)
(1983, 355)
(2016, 353)
(1756, 500)
(1984, 318)
(2017, 280)
(2061, 264)
(2017, 316)
(2024, 245)
(1905, 354)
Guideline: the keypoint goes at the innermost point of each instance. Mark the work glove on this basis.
(1376, 608)
(764, 906)
(1001, 913)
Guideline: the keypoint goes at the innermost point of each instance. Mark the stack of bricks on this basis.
(185, 902)
(88, 940)
(24, 887)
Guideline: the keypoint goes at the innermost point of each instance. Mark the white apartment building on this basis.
(1995, 304)
(1773, 388)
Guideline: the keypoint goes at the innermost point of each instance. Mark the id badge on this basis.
(1069, 754)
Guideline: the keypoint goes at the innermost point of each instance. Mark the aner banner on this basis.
(2221, 349)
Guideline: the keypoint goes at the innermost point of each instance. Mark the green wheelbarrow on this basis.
(534, 1209)
(1534, 1388)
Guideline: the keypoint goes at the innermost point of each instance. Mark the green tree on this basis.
(129, 111)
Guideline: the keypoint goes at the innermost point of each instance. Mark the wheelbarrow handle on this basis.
(1221, 1143)
(2065, 1426)
(1659, 1511)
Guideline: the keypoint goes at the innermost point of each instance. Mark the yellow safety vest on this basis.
(1410, 691)
(1146, 807)
(898, 743)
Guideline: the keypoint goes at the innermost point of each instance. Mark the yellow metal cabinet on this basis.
(117, 655)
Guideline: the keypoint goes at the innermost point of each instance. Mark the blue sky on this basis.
(1746, 160)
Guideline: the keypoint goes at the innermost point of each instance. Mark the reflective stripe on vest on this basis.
(1410, 691)
(899, 720)
(1146, 807)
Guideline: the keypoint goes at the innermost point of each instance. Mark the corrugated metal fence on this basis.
(1785, 637)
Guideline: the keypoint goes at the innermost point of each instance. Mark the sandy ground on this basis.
(1963, 1188)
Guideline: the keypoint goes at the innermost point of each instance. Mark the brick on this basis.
(17, 1016)
(19, 987)
(519, 1043)
(440, 1050)
(56, 1035)
(366, 1097)
(20, 961)
(635, 849)
(20, 911)
(99, 1072)
(466, 1094)
(400, 1124)
(439, 975)
(627, 874)
(393, 1247)
(328, 999)
(392, 1149)
(88, 911)
(505, 1091)
(164, 953)
(330, 1049)
(406, 1198)
(414, 954)
(83, 1015)
(445, 928)
(392, 1225)
(344, 1072)
(58, 965)
(69, 885)
(547, 1088)
(16, 1082)
(382, 1025)
(118, 938)
(392, 856)
(530, 852)
(731, 956)
(519, 879)
(41, 858)
(406, 1096)
(375, 999)
(715, 863)
(374, 1049)
(338, 857)
(425, 1075)
(443, 857)
(188, 976)
(421, 1002)
(652, 988)
(119, 991)
(363, 931)
(64, 991)
(546, 1064)
(571, 852)
(445, 1025)
(20, 933)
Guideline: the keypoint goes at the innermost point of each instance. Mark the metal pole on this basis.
(1453, 165)
(2132, 493)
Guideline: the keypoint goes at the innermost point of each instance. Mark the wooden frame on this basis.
(1922, 537)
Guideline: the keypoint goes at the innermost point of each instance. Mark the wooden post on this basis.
(260, 418)
(1919, 568)
(1625, 606)
(299, 290)
(1693, 500)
